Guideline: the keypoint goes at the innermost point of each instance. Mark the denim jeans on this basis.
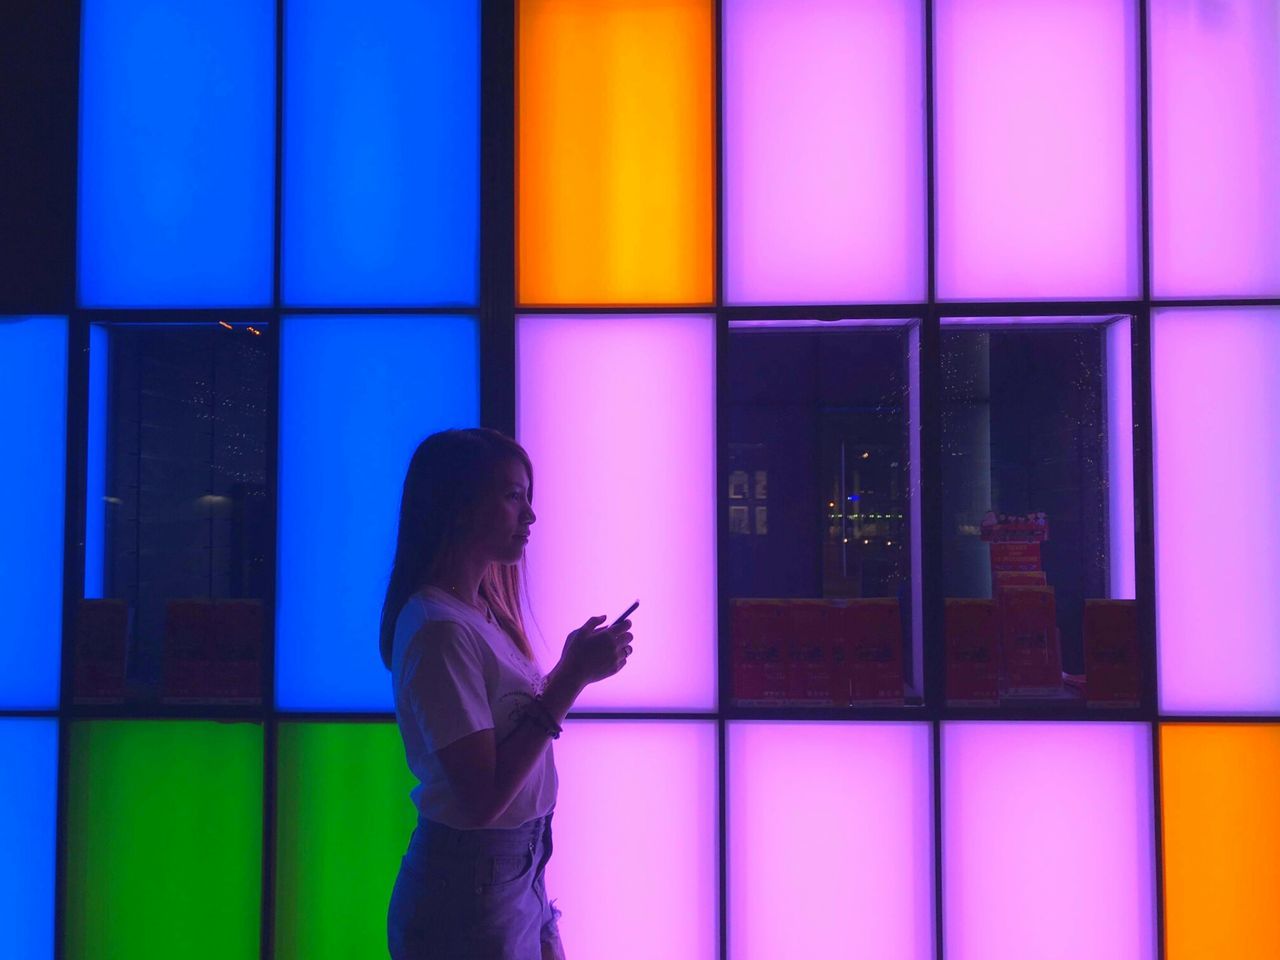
(473, 894)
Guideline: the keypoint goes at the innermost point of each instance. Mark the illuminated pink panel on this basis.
(1120, 459)
(830, 840)
(618, 414)
(636, 864)
(1215, 148)
(824, 151)
(1048, 841)
(1037, 149)
(1217, 473)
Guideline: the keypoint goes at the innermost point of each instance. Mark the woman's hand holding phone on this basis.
(593, 652)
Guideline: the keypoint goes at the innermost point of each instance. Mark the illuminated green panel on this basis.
(164, 840)
(344, 819)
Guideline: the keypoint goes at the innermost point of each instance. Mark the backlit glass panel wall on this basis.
(642, 882)
(617, 413)
(381, 153)
(29, 756)
(824, 146)
(575, 260)
(1216, 398)
(615, 144)
(1037, 137)
(331, 778)
(164, 833)
(33, 412)
(1221, 786)
(811, 807)
(1215, 148)
(1048, 845)
(357, 395)
(177, 140)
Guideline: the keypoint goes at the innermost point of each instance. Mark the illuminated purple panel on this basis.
(1215, 148)
(1120, 459)
(618, 414)
(1037, 147)
(636, 866)
(830, 840)
(824, 151)
(1048, 841)
(1217, 472)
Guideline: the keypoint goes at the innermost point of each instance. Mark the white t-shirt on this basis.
(454, 673)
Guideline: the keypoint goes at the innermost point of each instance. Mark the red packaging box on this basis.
(872, 630)
(1015, 555)
(973, 652)
(746, 665)
(813, 679)
(101, 642)
(1019, 578)
(1113, 675)
(1030, 649)
(758, 652)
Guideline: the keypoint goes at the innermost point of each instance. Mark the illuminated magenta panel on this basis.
(830, 840)
(618, 415)
(1048, 841)
(824, 151)
(1120, 521)
(636, 865)
(1215, 148)
(1037, 149)
(1217, 471)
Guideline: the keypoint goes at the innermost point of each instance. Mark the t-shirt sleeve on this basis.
(444, 680)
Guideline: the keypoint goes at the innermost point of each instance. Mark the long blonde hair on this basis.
(448, 475)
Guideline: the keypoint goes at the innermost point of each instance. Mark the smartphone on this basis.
(625, 613)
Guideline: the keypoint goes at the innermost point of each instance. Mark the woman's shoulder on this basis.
(426, 619)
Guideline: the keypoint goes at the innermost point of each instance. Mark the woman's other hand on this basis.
(591, 653)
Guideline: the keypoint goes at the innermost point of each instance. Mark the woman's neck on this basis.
(463, 580)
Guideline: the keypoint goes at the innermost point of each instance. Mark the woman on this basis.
(476, 714)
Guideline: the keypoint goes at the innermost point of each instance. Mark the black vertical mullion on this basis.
(1144, 475)
(724, 673)
(497, 267)
(73, 558)
(270, 730)
(930, 428)
(77, 444)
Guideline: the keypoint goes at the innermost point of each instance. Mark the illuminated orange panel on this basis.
(1221, 804)
(615, 162)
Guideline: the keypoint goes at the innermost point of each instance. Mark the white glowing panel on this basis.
(1037, 149)
(824, 151)
(618, 416)
(830, 840)
(636, 865)
(1215, 148)
(1217, 474)
(1048, 844)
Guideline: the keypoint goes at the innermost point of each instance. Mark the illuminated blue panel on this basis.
(177, 153)
(95, 505)
(33, 449)
(381, 175)
(357, 395)
(29, 757)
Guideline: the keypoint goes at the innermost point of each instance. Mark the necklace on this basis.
(488, 613)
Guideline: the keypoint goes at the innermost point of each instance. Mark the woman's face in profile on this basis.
(504, 516)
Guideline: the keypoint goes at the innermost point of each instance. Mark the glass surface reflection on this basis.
(1038, 511)
(178, 520)
(818, 493)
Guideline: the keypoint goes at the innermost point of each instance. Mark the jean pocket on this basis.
(503, 870)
